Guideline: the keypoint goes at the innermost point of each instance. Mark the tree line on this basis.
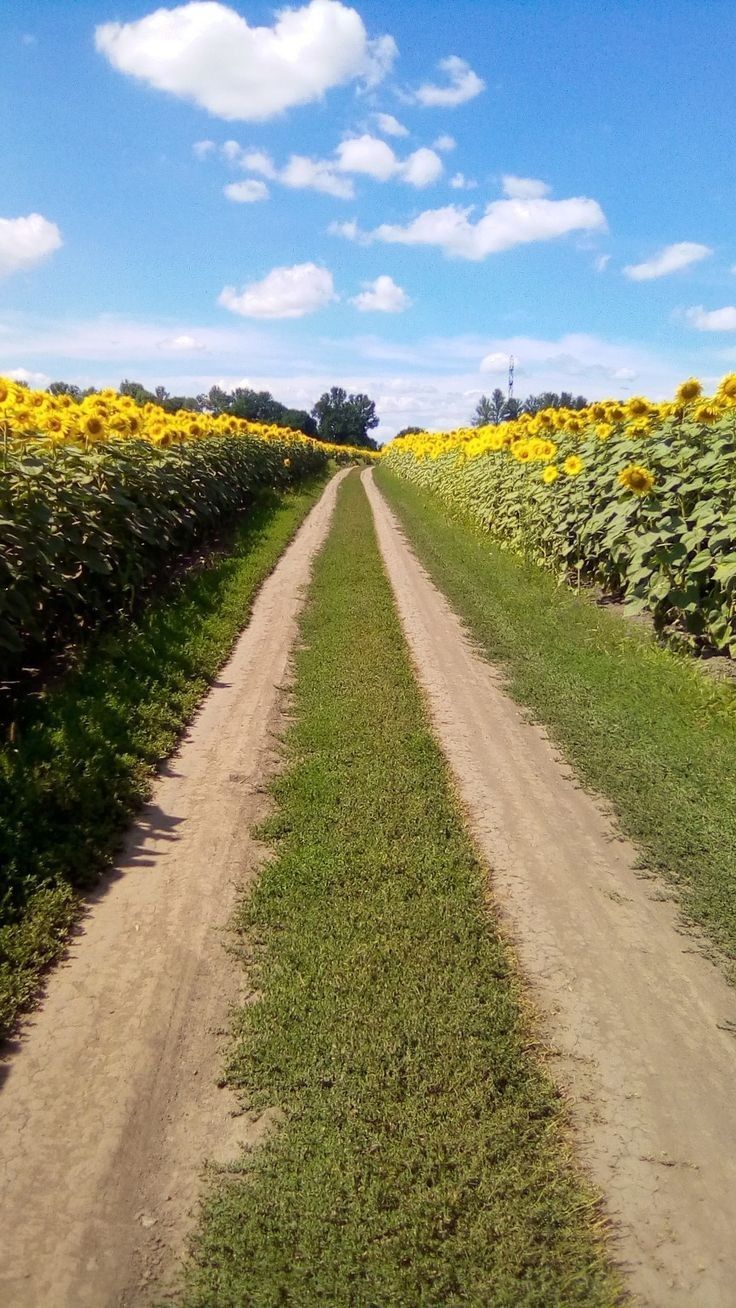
(337, 417)
(495, 408)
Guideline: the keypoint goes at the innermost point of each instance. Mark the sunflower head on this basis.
(726, 388)
(92, 427)
(550, 474)
(707, 413)
(573, 465)
(637, 479)
(688, 391)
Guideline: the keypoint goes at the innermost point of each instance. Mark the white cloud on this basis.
(671, 259)
(349, 230)
(183, 344)
(365, 155)
(523, 188)
(422, 168)
(464, 85)
(495, 362)
(257, 161)
(382, 296)
(444, 143)
(26, 241)
(283, 293)
(203, 148)
(207, 53)
(316, 175)
(505, 224)
(462, 183)
(247, 192)
(369, 155)
(374, 158)
(390, 126)
(38, 380)
(601, 263)
(713, 320)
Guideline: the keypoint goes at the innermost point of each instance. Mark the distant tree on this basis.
(65, 388)
(491, 409)
(137, 391)
(407, 431)
(551, 400)
(344, 419)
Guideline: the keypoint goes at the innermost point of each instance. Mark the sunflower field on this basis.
(99, 498)
(636, 497)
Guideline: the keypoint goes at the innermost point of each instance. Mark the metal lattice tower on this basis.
(510, 395)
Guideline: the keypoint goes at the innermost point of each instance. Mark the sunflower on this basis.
(638, 406)
(637, 479)
(573, 465)
(604, 430)
(92, 427)
(689, 390)
(727, 386)
(550, 474)
(708, 412)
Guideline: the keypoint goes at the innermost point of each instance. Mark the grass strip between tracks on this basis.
(83, 756)
(422, 1155)
(641, 724)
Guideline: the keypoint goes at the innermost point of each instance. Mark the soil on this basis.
(639, 1026)
(109, 1106)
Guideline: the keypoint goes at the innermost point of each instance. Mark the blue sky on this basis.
(220, 197)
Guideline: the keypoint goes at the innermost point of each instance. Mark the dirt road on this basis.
(110, 1107)
(642, 1029)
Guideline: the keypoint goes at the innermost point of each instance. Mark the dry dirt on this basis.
(641, 1027)
(109, 1106)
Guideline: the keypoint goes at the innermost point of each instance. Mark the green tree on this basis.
(490, 409)
(344, 419)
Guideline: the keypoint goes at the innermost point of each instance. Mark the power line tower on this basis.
(510, 394)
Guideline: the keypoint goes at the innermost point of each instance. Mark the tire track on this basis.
(109, 1106)
(641, 1027)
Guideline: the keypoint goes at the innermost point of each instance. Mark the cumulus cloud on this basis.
(203, 148)
(37, 380)
(382, 296)
(283, 293)
(496, 362)
(390, 126)
(504, 224)
(26, 241)
(373, 157)
(247, 192)
(365, 155)
(445, 143)
(207, 53)
(462, 84)
(669, 260)
(523, 188)
(713, 320)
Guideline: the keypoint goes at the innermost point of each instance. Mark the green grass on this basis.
(83, 756)
(642, 725)
(423, 1156)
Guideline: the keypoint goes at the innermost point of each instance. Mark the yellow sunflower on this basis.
(637, 479)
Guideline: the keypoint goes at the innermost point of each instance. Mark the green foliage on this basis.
(671, 553)
(82, 532)
(345, 419)
(422, 1159)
